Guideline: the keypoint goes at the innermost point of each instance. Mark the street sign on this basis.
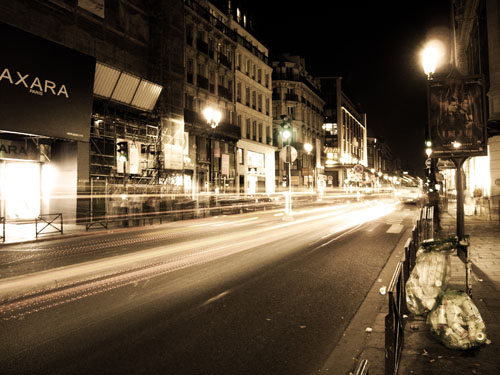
(358, 169)
(288, 154)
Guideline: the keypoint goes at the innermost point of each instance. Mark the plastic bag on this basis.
(456, 321)
(430, 275)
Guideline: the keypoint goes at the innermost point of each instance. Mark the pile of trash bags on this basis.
(430, 276)
(452, 315)
(456, 321)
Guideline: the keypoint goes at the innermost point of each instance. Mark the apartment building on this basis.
(345, 135)
(253, 109)
(297, 95)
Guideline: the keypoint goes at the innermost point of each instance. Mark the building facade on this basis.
(102, 77)
(297, 95)
(253, 110)
(209, 62)
(345, 136)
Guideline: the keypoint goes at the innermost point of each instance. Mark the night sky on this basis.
(374, 46)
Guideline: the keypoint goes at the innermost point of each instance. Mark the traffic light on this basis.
(286, 127)
(285, 180)
(122, 151)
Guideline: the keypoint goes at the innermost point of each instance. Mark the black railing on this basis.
(362, 368)
(224, 60)
(396, 293)
(50, 221)
(394, 321)
(2, 221)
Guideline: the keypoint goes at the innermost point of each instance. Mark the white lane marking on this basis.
(213, 299)
(395, 228)
(371, 227)
(236, 221)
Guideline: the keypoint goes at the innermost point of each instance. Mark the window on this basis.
(254, 100)
(248, 128)
(201, 69)
(247, 96)
(189, 102)
(189, 34)
(212, 81)
(291, 112)
(248, 67)
(240, 156)
(267, 80)
(190, 68)
(238, 62)
(267, 106)
(254, 130)
(255, 159)
(259, 75)
(260, 132)
(201, 35)
(259, 103)
(238, 92)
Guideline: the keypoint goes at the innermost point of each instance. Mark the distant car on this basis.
(409, 194)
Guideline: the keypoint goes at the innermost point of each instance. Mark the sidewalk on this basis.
(422, 353)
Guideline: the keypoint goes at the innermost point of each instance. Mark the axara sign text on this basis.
(35, 85)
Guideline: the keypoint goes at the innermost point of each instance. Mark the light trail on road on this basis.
(42, 290)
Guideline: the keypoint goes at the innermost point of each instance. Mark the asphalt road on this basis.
(246, 294)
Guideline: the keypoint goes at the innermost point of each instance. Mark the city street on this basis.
(258, 293)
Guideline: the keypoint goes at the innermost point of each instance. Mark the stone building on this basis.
(297, 95)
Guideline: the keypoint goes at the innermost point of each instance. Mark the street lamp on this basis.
(432, 55)
(212, 116)
(308, 148)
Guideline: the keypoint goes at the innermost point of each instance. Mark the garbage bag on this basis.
(430, 275)
(456, 321)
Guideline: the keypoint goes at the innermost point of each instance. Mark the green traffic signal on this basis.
(122, 150)
(286, 127)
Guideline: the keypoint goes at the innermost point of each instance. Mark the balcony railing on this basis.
(202, 46)
(202, 82)
(293, 97)
(225, 93)
(224, 60)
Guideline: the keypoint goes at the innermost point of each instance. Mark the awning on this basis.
(123, 87)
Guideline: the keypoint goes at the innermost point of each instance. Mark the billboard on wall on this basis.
(457, 121)
(173, 144)
(45, 88)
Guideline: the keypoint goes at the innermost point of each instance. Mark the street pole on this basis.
(125, 175)
(460, 198)
(289, 159)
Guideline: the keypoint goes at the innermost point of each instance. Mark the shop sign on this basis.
(18, 150)
(45, 88)
(225, 164)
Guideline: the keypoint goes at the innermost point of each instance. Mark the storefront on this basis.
(45, 107)
(255, 168)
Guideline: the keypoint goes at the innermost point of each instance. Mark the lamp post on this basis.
(213, 118)
(431, 57)
(308, 148)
